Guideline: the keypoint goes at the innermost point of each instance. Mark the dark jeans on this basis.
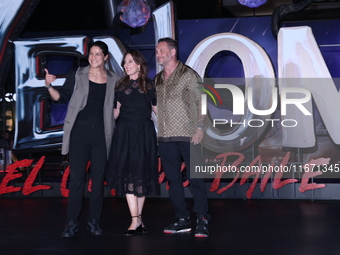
(87, 144)
(170, 153)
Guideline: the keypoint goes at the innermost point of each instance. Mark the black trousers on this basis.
(87, 144)
(170, 153)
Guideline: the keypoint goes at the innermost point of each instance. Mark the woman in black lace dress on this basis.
(132, 168)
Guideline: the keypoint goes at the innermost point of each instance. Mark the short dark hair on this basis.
(172, 43)
(103, 46)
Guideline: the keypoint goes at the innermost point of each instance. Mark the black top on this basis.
(135, 104)
(93, 111)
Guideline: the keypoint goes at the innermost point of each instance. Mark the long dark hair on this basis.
(143, 72)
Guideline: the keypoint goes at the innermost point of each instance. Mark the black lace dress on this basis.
(132, 166)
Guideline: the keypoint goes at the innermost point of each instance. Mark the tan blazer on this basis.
(78, 102)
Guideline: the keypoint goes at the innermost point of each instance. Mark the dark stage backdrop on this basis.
(280, 169)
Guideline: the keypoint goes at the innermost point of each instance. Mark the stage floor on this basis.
(288, 227)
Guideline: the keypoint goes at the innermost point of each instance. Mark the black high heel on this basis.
(144, 230)
(138, 230)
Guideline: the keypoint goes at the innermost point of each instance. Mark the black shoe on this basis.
(202, 227)
(71, 229)
(143, 229)
(93, 228)
(138, 230)
(181, 225)
(132, 232)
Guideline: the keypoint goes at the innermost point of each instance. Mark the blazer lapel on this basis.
(84, 77)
